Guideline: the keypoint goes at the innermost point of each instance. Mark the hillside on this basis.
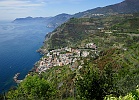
(76, 32)
(58, 20)
(86, 59)
(127, 6)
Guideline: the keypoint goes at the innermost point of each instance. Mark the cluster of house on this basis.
(64, 56)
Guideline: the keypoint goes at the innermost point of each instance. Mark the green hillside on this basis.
(109, 70)
(104, 31)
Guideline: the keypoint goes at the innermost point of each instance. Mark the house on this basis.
(91, 45)
(85, 53)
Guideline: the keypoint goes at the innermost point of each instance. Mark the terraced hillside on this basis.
(112, 68)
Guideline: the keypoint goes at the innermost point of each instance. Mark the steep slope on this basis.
(75, 31)
(118, 57)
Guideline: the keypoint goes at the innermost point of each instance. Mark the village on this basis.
(65, 56)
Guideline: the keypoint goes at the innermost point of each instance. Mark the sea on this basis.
(18, 45)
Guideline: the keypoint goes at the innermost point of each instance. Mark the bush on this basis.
(131, 96)
(32, 87)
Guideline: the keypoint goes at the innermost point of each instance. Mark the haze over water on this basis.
(18, 45)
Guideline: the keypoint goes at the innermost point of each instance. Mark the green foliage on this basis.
(130, 96)
(95, 84)
(128, 25)
(31, 88)
(62, 80)
(116, 74)
(128, 77)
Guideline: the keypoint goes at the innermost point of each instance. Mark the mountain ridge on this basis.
(48, 21)
(124, 7)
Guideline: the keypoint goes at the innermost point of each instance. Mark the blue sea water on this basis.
(18, 45)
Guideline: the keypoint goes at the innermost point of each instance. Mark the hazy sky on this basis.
(11, 9)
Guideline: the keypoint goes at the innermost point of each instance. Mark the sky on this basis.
(11, 9)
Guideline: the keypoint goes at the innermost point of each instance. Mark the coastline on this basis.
(18, 46)
(16, 78)
(41, 52)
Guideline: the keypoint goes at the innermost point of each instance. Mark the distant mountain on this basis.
(127, 6)
(58, 20)
(48, 21)
(31, 20)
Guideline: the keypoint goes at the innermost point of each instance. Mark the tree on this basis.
(95, 84)
(32, 87)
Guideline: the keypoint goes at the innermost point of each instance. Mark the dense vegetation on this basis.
(33, 87)
(134, 95)
(113, 74)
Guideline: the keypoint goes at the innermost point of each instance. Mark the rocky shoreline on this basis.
(16, 78)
